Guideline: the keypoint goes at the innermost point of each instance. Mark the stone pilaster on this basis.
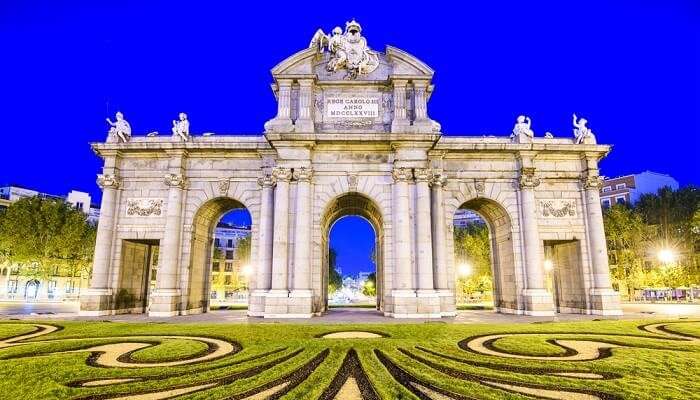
(538, 301)
(422, 123)
(428, 301)
(304, 122)
(604, 299)
(256, 305)
(283, 121)
(447, 298)
(165, 299)
(300, 302)
(400, 122)
(278, 296)
(97, 299)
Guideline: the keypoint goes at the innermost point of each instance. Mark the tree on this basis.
(45, 237)
(370, 286)
(472, 248)
(627, 238)
(335, 281)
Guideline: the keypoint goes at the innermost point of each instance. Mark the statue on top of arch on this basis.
(348, 50)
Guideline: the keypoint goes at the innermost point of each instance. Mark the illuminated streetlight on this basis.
(548, 265)
(464, 269)
(246, 270)
(666, 256)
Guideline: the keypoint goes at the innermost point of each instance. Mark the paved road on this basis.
(40, 308)
(339, 315)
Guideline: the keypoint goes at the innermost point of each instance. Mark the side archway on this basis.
(357, 204)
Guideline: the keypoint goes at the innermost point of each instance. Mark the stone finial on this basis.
(303, 174)
(267, 180)
(402, 174)
(527, 178)
(175, 180)
(120, 129)
(591, 181)
(282, 174)
(110, 181)
(423, 174)
(223, 185)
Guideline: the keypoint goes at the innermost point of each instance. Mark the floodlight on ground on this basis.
(464, 269)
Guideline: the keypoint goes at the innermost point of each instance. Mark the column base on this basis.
(256, 303)
(448, 305)
(605, 302)
(538, 303)
(96, 302)
(412, 304)
(164, 303)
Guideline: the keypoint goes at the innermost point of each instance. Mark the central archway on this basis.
(359, 205)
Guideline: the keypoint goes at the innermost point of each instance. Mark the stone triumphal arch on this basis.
(352, 135)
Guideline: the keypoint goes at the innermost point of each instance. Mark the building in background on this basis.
(464, 217)
(14, 286)
(80, 200)
(230, 269)
(628, 188)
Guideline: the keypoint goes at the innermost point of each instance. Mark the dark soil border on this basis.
(351, 367)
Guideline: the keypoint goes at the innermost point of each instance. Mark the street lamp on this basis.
(666, 256)
(246, 270)
(464, 269)
(548, 265)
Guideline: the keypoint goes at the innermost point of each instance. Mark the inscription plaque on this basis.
(352, 107)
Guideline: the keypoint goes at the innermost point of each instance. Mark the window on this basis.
(620, 200)
(606, 203)
(70, 287)
(12, 287)
(227, 280)
(217, 242)
(620, 186)
(606, 189)
(229, 254)
(213, 295)
(215, 266)
(229, 243)
(229, 267)
(79, 205)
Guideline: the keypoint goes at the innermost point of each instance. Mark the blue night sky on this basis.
(631, 68)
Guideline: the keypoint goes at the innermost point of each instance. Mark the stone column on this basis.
(97, 299)
(447, 302)
(537, 300)
(256, 306)
(428, 301)
(301, 295)
(402, 230)
(280, 242)
(400, 122)
(424, 241)
(604, 299)
(165, 299)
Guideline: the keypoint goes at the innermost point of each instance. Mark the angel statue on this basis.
(181, 128)
(522, 129)
(120, 129)
(582, 133)
(348, 50)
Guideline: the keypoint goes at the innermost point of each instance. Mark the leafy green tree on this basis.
(472, 248)
(46, 237)
(370, 286)
(628, 239)
(335, 281)
(243, 249)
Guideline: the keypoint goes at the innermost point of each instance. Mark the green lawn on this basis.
(292, 361)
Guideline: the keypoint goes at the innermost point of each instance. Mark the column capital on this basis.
(591, 181)
(175, 180)
(402, 174)
(303, 174)
(438, 180)
(423, 174)
(110, 181)
(267, 180)
(281, 174)
(527, 178)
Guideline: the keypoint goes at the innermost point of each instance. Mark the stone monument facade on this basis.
(352, 136)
